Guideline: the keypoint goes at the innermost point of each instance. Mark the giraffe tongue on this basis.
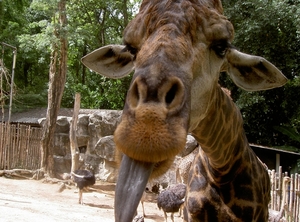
(132, 180)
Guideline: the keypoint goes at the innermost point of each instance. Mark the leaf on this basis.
(289, 131)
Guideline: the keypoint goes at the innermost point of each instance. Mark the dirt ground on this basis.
(32, 200)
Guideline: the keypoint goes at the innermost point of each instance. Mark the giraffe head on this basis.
(177, 50)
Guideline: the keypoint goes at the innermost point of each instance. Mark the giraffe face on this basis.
(177, 50)
(177, 60)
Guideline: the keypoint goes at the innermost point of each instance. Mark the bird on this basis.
(154, 191)
(277, 216)
(171, 199)
(143, 200)
(83, 178)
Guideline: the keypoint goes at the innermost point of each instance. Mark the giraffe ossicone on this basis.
(177, 50)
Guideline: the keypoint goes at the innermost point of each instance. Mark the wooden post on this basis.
(73, 139)
(277, 162)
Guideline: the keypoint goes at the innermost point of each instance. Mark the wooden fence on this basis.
(286, 196)
(19, 147)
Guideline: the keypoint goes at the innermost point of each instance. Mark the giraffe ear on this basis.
(253, 73)
(110, 61)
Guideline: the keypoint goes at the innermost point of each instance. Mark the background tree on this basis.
(269, 29)
(5, 78)
(57, 79)
(93, 24)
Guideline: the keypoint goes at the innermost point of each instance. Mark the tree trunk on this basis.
(73, 139)
(57, 79)
(83, 67)
(125, 13)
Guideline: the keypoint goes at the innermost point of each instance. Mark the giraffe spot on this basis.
(237, 210)
(244, 192)
(204, 212)
(248, 213)
(199, 176)
(243, 178)
(197, 185)
(226, 194)
(193, 205)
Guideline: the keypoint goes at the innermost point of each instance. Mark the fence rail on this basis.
(285, 194)
(19, 147)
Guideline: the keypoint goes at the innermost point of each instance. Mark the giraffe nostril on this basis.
(171, 94)
(136, 92)
(135, 96)
(174, 93)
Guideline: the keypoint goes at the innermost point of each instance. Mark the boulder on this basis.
(82, 125)
(106, 148)
(63, 124)
(102, 123)
(97, 148)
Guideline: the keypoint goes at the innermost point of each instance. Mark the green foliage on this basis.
(269, 29)
(29, 25)
(292, 133)
(100, 92)
(31, 100)
(93, 24)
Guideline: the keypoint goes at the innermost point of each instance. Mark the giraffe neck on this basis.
(221, 135)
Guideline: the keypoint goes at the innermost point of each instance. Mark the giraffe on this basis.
(183, 169)
(184, 166)
(177, 48)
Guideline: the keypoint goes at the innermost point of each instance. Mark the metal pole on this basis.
(12, 78)
(12, 84)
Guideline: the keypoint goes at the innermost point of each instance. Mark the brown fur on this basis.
(152, 130)
(178, 48)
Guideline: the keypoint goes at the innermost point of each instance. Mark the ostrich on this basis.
(171, 199)
(277, 216)
(83, 178)
(154, 191)
(143, 200)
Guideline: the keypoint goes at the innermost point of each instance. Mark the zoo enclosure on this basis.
(19, 147)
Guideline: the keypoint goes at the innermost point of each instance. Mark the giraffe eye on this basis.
(220, 48)
(221, 51)
(130, 49)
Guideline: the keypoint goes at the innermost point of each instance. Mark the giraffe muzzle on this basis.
(154, 120)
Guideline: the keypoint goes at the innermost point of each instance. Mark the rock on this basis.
(97, 148)
(108, 171)
(61, 144)
(82, 125)
(191, 144)
(62, 164)
(63, 124)
(106, 148)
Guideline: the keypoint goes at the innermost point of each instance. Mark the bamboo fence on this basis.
(291, 193)
(19, 147)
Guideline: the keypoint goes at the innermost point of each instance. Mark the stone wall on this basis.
(96, 146)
